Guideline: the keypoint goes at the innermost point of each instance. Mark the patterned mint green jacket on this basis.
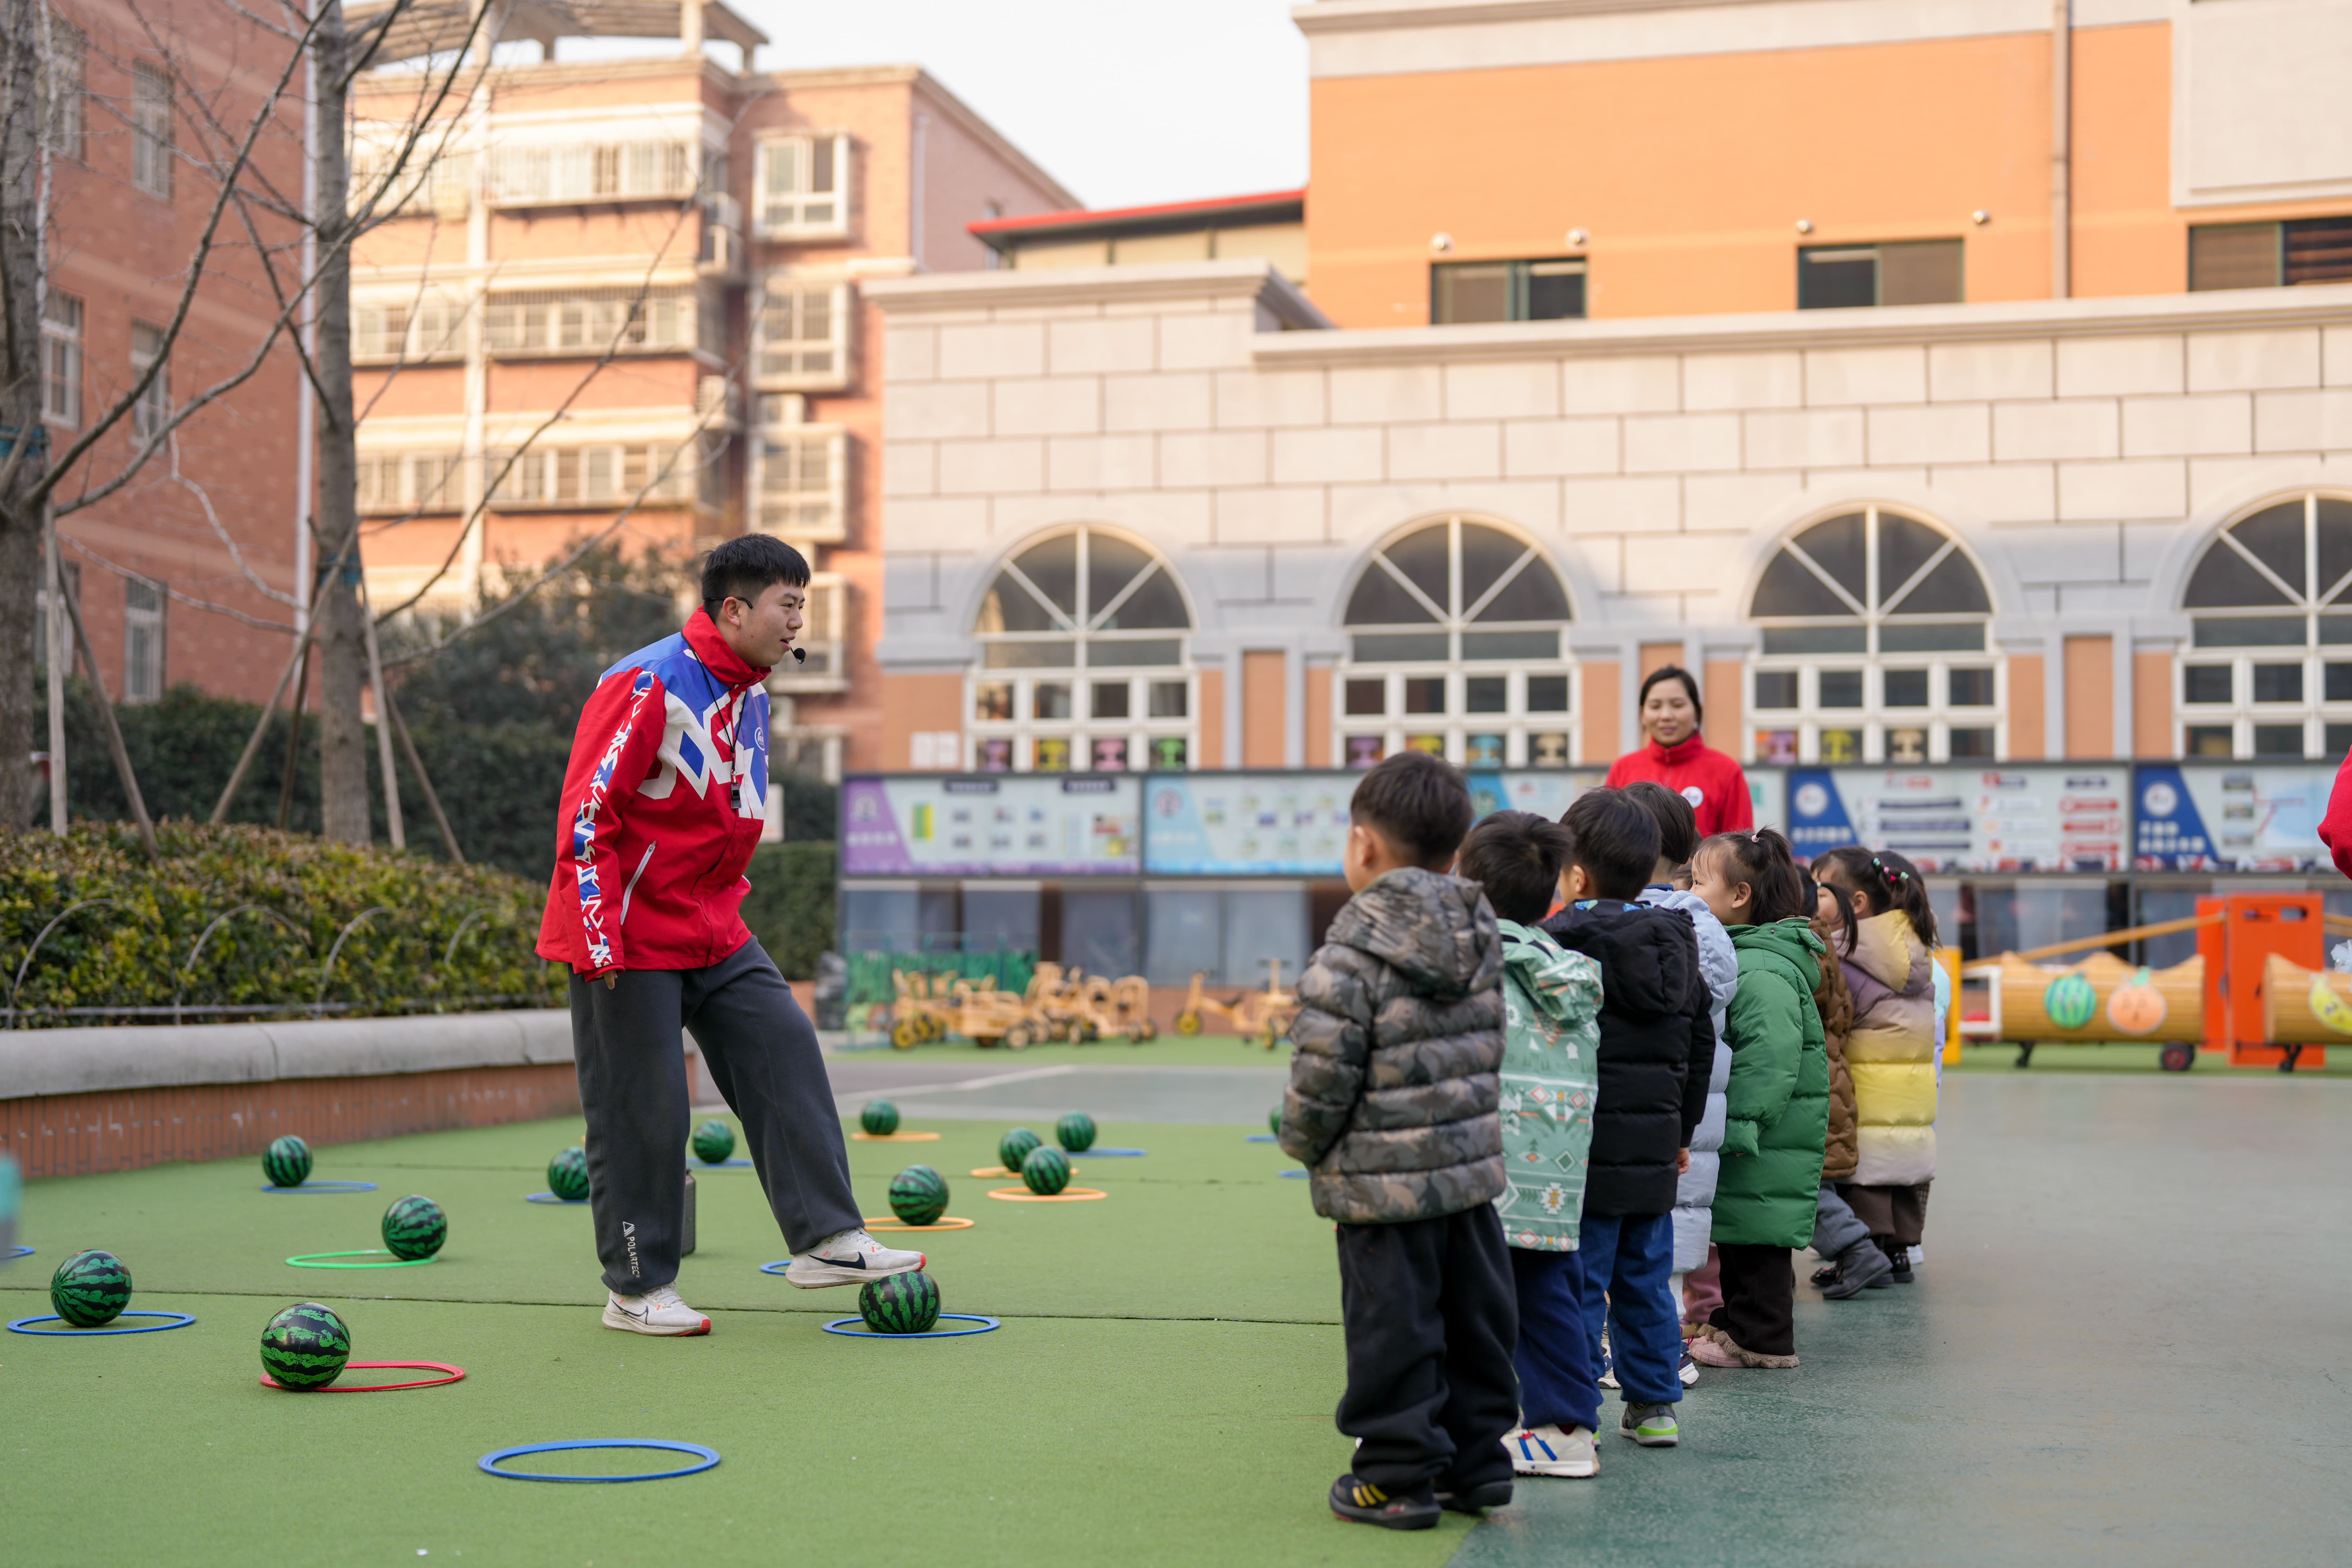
(1551, 1043)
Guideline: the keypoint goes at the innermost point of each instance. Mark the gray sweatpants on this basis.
(1834, 1226)
(762, 1055)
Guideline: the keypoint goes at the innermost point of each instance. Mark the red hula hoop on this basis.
(455, 1372)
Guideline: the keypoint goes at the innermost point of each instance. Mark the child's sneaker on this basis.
(1715, 1348)
(850, 1258)
(658, 1311)
(1607, 1370)
(1652, 1426)
(1549, 1450)
(1475, 1500)
(1688, 1370)
(1361, 1502)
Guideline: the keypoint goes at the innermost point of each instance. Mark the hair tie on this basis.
(1894, 877)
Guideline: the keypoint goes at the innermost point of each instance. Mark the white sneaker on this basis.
(658, 1311)
(850, 1258)
(1548, 1451)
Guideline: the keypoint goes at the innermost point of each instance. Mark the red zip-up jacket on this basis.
(662, 803)
(1712, 782)
(2336, 827)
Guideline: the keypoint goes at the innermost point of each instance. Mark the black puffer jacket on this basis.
(1395, 1093)
(1658, 1045)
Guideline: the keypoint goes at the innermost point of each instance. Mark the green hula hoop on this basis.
(311, 1260)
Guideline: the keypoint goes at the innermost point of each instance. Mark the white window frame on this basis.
(588, 476)
(793, 208)
(154, 409)
(68, 122)
(790, 368)
(2312, 714)
(411, 329)
(576, 174)
(61, 319)
(411, 482)
(143, 628)
(812, 514)
(150, 130)
(556, 323)
(824, 638)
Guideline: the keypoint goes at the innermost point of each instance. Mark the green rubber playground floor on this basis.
(1168, 1050)
(2126, 1347)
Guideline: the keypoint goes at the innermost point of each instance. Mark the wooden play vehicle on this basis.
(1263, 1014)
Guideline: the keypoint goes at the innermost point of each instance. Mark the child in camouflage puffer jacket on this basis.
(1393, 1105)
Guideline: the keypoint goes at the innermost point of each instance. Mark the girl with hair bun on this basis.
(1673, 755)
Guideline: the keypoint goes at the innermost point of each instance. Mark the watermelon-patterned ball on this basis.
(1047, 1170)
(1075, 1132)
(414, 1227)
(2070, 1000)
(286, 1161)
(305, 1346)
(714, 1143)
(567, 1174)
(89, 1290)
(1014, 1148)
(1273, 1121)
(879, 1119)
(899, 1303)
(919, 1194)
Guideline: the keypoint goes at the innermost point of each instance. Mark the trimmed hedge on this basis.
(142, 951)
(790, 905)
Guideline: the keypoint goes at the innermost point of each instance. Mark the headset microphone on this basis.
(800, 656)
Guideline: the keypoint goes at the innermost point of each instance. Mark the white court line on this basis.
(969, 1083)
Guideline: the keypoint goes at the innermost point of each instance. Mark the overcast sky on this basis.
(1124, 102)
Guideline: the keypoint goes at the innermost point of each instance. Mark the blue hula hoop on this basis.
(180, 1321)
(863, 1332)
(325, 1187)
(709, 1457)
(549, 1199)
(1261, 1138)
(15, 1252)
(720, 1165)
(1295, 1175)
(1110, 1154)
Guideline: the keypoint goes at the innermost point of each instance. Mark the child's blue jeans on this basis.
(1554, 1359)
(1625, 1261)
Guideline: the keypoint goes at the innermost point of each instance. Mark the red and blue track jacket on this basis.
(662, 803)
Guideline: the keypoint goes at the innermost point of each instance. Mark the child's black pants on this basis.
(1431, 1318)
(1759, 1287)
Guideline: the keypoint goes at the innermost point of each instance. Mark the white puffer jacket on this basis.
(1695, 1192)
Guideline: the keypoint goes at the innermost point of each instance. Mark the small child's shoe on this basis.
(1605, 1374)
(1719, 1349)
(1898, 1255)
(1475, 1500)
(1551, 1450)
(1688, 1370)
(1859, 1268)
(1652, 1426)
(1360, 1502)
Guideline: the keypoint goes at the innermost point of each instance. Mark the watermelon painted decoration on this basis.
(1014, 1148)
(286, 1161)
(1273, 1121)
(1075, 1132)
(1045, 1171)
(899, 1303)
(305, 1346)
(714, 1143)
(567, 1174)
(2070, 1000)
(919, 1194)
(414, 1227)
(89, 1290)
(879, 1118)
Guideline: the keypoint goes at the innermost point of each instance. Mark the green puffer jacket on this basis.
(1779, 1098)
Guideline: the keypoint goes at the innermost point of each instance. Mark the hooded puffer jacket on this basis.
(1395, 1082)
(1657, 1042)
(1720, 966)
(1836, 1003)
(1779, 1098)
(1892, 1050)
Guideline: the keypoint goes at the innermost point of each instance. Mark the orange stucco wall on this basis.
(1318, 716)
(2090, 697)
(1213, 719)
(2028, 738)
(1599, 681)
(914, 702)
(2152, 705)
(1263, 711)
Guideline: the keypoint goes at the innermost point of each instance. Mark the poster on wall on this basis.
(2232, 816)
(1006, 825)
(2022, 818)
(1247, 825)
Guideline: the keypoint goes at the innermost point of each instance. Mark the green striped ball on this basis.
(1047, 1170)
(286, 1161)
(919, 1194)
(1075, 1132)
(89, 1290)
(1273, 1121)
(305, 1346)
(879, 1119)
(1014, 1148)
(714, 1143)
(414, 1227)
(899, 1303)
(567, 1174)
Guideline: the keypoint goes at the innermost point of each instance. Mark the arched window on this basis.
(1085, 664)
(1453, 647)
(2270, 673)
(1873, 647)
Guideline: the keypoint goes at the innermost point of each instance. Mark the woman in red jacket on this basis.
(1677, 758)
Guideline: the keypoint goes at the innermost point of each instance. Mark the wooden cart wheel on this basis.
(1016, 1038)
(905, 1035)
(1188, 1022)
(1150, 1030)
(2178, 1057)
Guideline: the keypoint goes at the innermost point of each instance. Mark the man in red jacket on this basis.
(662, 806)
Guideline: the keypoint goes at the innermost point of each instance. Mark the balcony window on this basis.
(595, 321)
(1545, 290)
(410, 329)
(571, 172)
(800, 483)
(803, 187)
(803, 336)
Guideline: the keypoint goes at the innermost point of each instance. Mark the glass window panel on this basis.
(1380, 600)
(1840, 689)
(1168, 753)
(1905, 688)
(992, 701)
(1776, 689)
(2316, 250)
(2278, 683)
(1970, 742)
(1788, 588)
(1183, 933)
(1897, 636)
(1920, 272)
(1268, 921)
(1030, 654)
(2212, 740)
(1170, 699)
(1969, 687)
(1053, 567)
(2233, 256)
(1010, 606)
(2224, 579)
(1401, 647)
(1546, 694)
(1776, 746)
(1050, 700)
(1838, 278)
(2247, 631)
(2339, 683)
(1111, 564)
(1110, 700)
(1904, 545)
(1816, 639)
(2278, 739)
(1363, 750)
(1482, 751)
(2334, 526)
(1109, 755)
(1425, 694)
(1368, 696)
(1953, 588)
(1840, 747)
(1555, 290)
(1155, 605)
(1422, 557)
(1129, 653)
(1907, 744)
(1486, 555)
(1479, 292)
(1839, 547)
(1535, 595)
(2338, 743)
(1510, 644)
(1486, 694)
(1548, 749)
(2275, 536)
(1050, 755)
(2334, 630)
(2208, 683)
(1100, 932)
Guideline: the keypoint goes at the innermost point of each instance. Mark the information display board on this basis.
(1247, 825)
(996, 825)
(2232, 816)
(2021, 817)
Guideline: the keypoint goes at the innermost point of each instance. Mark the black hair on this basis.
(1517, 856)
(1672, 672)
(1417, 802)
(1886, 879)
(1616, 842)
(1677, 823)
(1848, 928)
(743, 567)
(1762, 859)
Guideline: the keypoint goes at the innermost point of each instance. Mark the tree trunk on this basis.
(20, 400)
(343, 642)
